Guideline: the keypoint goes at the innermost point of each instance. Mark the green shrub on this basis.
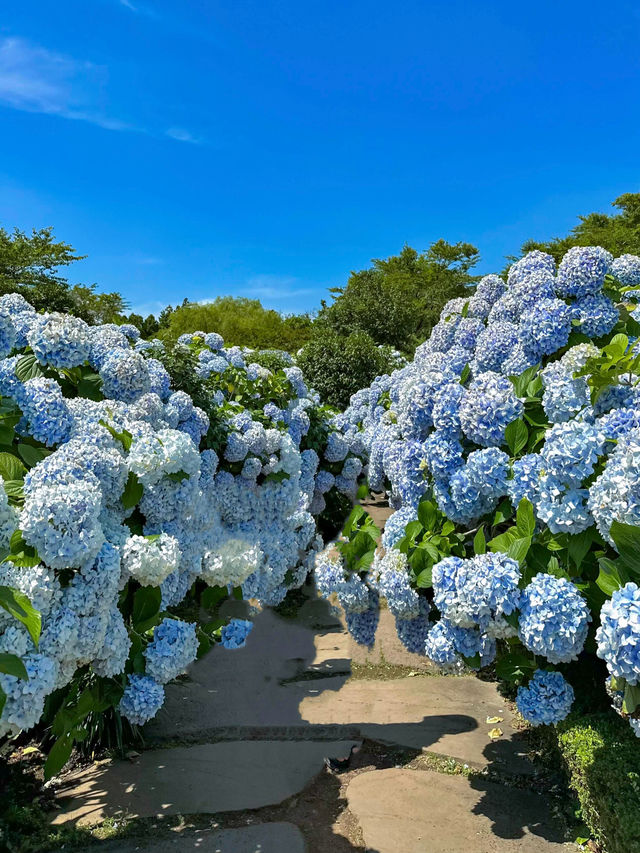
(602, 756)
(272, 359)
(337, 366)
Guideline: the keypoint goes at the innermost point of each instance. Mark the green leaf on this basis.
(515, 666)
(554, 568)
(609, 579)
(211, 597)
(412, 529)
(133, 491)
(19, 606)
(631, 699)
(146, 607)
(525, 518)
(617, 346)
(466, 372)
(427, 515)
(3, 699)
(503, 512)
(521, 382)
(578, 545)
(32, 455)
(14, 489)
(424, 579)
(27, 367)
(125, 438)
(11, 468)
(627, 539)
(179, 476)
(516, 436)
(6, 434)
(363, 492)
(90, 386)
(519, 548)
(58, 756)
(474, 662)
(504, 541)
(12, 665)
(480, 542)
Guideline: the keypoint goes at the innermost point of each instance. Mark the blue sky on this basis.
(203, 147)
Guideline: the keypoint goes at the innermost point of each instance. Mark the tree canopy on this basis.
(619, 233)
(397, 300)
(240, 321)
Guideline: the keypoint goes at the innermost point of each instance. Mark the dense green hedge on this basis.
(602, 756)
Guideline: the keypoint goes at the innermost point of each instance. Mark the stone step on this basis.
(259, 838)
(414, 811)
(208, 778)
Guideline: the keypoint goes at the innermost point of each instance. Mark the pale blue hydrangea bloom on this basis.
(488, 407)
(554, 619)
(582, 271)
(173, 648)
(546, 700)
(60, 340)
(142, 699)
(618, 636)
(626, 269)
(234, 635)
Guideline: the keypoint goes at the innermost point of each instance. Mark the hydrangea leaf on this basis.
(12, 665)
(19, 606)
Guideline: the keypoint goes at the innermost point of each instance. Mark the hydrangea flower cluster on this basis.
(120, 492)
(446, 424)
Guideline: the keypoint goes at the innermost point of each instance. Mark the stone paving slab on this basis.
(414, 811)
(209, 778)
(443, 714)
(260, 838)
(243, 687)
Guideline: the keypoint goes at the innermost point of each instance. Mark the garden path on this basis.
(235, 759)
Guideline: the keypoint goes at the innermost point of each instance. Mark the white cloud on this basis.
(36, 80)
(182, 135)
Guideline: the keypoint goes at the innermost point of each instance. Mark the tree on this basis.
(337, 366)
(397, 300)
(29, 265)
(240, 321)
(619, 233)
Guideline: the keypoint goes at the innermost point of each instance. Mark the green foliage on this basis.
(240, 321)
(429, 539)
(272, 359)
(616, 364)
(397, 301)
(359, 541)
(336, 366)
(29, 265)
(619, 233)
(602, 757)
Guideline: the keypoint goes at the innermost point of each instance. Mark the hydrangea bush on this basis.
(133, 475)
(509, 449)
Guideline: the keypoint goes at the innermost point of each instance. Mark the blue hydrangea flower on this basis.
(488, 407)
(546, 700)
(478, 591)
(362, 625)
(582, 271)
(597, 314)
(60, 340)
(545, 327)
(626, 269)
(142, 699)
(495, 345)
(234, 635)
(173, 648)
(46, 411)
(618, 636)
(524, 483)
(125, 376)
(554, 619)
(412, 633)
(533, 262)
